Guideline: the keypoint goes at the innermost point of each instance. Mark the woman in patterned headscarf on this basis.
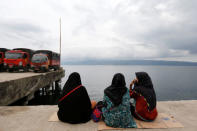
(144, 97)
(116, 111)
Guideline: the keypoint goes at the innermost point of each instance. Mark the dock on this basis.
(35, 118)
(20, 85)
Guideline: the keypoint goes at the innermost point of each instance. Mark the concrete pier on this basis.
(35, 118)
(15, 86)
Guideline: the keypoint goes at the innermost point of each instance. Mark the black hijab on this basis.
(75, 108)
(117, 89)
(145, 88)
(73, 81)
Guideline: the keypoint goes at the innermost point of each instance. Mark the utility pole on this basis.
(60, 41)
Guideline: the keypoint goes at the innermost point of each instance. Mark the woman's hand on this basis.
(133, 82)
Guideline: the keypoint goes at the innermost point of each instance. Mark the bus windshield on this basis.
(39, 58)
(13, 55)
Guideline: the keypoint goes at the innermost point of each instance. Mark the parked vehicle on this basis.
(44, 60)
(40, 62)
(18, 58)
(2, 56)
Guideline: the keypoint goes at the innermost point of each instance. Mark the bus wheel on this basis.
(10, 70)
(46, 70)
(55, 68)
(25, 69)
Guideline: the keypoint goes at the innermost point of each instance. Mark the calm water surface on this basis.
(170, 82)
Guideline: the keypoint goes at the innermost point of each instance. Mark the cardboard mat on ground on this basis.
(162, 121)
(53, 117)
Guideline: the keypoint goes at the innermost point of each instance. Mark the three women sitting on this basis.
(75, 105)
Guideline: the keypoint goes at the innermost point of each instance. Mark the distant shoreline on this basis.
(130, 62)
(122, 65)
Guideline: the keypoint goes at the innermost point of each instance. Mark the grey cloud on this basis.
(21, 27)
(182, 37)
(23, 34)
(125, 29)
(178, 35)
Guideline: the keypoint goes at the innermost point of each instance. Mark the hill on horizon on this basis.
(130, 62)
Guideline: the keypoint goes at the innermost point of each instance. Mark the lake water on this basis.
(170, 82)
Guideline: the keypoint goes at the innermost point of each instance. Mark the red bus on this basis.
(18, 58)
(2, 56)
(44, 60)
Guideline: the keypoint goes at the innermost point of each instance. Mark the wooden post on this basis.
(42, 91)
(52, 87)
(57, 86)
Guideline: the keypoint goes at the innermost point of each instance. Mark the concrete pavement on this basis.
(35, 118)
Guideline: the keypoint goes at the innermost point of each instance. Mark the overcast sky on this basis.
(103, 29)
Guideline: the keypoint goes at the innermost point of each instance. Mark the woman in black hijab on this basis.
(74, 105)
(145, 97)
